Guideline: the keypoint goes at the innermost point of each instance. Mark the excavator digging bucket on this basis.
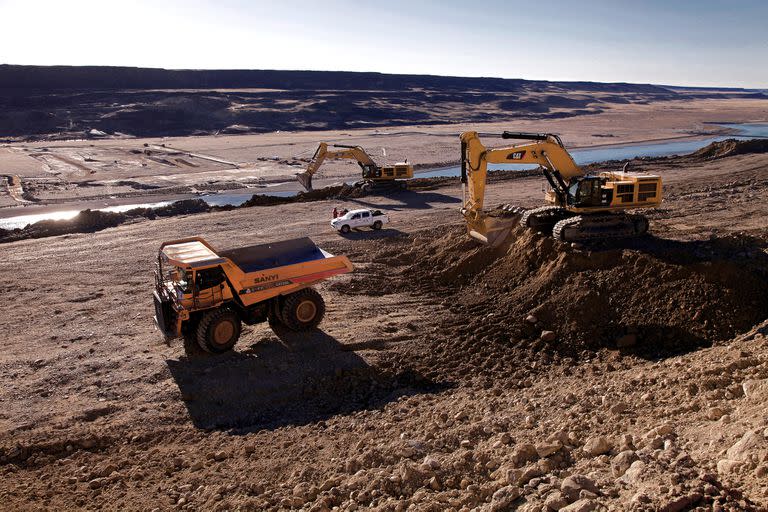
(493, 231)
(305, 180)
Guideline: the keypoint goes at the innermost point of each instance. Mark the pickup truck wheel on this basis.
(218, 331)
(345, 228)
(303, 310)
(377, 225)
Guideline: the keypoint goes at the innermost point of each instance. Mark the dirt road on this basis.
(426, 385)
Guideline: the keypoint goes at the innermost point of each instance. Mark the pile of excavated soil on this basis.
(653, 296)
(731, 147)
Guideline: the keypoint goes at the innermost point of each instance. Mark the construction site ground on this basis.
(430, 385)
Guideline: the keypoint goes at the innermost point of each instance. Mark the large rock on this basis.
(572, 486)
(583, 505)
(507, 474)
(680, 503)
(523, 453)
(548, 336)
(634, 473)
(529, 474)
(547, 448)
(597, 446)
(556, 501)
(622, 462)
(756, 389)
(503, 498)
(752, 447)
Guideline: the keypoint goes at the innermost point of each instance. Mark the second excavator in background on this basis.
(580, 206)
(374, 176)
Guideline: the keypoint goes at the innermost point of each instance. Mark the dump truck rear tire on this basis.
(218, 331)
(303, 310)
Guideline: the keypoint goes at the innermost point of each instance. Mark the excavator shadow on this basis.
(684, 252)
(409, 200)
(285, 379)
(659, 342)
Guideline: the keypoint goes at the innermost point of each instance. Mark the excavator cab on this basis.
(588, 192)
(370, 172)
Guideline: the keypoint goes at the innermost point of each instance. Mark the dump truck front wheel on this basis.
(218, 331)
(303, 310)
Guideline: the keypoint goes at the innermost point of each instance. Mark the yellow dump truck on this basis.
(205, 295)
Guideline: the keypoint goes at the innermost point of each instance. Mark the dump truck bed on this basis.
(257, 272)
(254, 258)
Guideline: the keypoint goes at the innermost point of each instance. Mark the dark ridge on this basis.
(106, 77)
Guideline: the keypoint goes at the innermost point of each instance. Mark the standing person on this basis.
(335, 212)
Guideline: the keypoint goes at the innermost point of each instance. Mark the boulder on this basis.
(622, 462)
(503, 498)
(583, 505)
(572, 485)
(548, 336)
(597, 446)
(756, 389)
(546, 449)
(523, 453)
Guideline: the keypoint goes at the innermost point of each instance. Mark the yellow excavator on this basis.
(580, 206)
(372, 174)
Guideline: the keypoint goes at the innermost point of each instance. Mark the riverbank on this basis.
(87, 221)
(97, 174)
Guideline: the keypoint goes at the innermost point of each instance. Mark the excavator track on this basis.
(583, 228)
(544, 218)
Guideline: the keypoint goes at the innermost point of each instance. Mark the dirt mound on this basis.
(319, 194)
(731, 147)
(659, 296)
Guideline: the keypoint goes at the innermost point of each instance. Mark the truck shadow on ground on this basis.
(285, 379)
(408, 200)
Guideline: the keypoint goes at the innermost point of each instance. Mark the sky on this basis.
(672, 42)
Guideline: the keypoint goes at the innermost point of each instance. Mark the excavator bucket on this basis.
(306, 180)
(494, 230)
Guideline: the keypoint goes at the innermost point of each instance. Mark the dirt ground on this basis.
(431, 384)
(98, 173)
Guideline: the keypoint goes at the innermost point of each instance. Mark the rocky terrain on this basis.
(446, 376)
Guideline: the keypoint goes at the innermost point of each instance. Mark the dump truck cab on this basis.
(205, 295)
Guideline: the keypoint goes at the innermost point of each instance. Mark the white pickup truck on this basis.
(363, 218)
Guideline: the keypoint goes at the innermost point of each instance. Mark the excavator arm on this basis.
(545, 150)
(322, 153)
